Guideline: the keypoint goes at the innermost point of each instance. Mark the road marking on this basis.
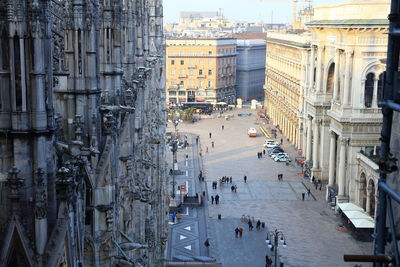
(187, 173)
(189, 247)
(188, 228)
(182, 237)
(187, 211)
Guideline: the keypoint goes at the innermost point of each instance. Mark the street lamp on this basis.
(174, 148)
(272, 241)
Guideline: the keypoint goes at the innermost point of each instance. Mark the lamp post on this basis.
(174, 148)
(272, 241)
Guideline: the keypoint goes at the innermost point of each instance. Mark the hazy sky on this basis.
(247, 10)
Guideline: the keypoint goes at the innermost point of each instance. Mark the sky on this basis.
(277, 11)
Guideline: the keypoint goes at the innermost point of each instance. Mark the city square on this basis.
(309, 226)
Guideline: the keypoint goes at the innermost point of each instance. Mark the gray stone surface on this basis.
(309, 226)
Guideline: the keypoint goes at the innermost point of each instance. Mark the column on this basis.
(348, 67)
(342, 166)
(336, 75)
(332, 159)
(312, 63)
(375, 93)
(315, 153)
(318, 80)
(308, 150)
(368, 202)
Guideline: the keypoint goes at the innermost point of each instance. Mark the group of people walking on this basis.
(260, 154)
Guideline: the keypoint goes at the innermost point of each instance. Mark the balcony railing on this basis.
(201, 76)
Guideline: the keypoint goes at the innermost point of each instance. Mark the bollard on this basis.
(204, 193)
(263, 224)
(219, 216)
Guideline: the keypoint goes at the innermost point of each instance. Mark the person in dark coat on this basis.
(258, 225)
(216, 199)
(250, 225)
(209, 135)
(245, 178)
(237, 232)
(212, 200)
(230, 179)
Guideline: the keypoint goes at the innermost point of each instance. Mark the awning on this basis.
(349, 206)
(358, 217)
(363, 223)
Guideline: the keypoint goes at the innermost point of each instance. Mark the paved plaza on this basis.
(309, 226)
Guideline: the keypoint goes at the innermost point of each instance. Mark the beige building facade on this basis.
(286, 61)
(334, 82)
(201, 70)
(345, 78)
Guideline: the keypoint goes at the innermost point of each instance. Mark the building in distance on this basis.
(201, 70)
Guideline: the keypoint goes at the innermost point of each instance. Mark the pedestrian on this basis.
(264, 152)
(216, 199)
(258, 154)
(308, 192)
(209, 135)
(235, 188)
(258, 225)
(320, 187)
(212, 144)
(222, 127)
(207, 149)
(245, 178)
(267, 261)
(212, 200)
(303, 196)
(316, 186)
(250, 225)
(236, 232)
(281, 141)
(240, 232)
(230, 179)
(232, 188)
(313, 179)
(173, 217)
(197, 139)
(207, 243)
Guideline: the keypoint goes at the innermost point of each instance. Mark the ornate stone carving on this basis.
(40, 195)
(14, 182)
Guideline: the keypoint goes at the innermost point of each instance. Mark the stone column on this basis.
(308, 147)
(336, 75)
(347, 75)
(332, 159)
(315, 153)
(311, 73)
(318, 80)
(375, 93)
(342, 166)
(368, 204)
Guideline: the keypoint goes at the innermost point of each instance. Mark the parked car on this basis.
(252, 132)
(272, 148)
(282, 159)
(275, 151)
(270, 143)
(273, 156)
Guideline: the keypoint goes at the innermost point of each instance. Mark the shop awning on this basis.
(363, 223)
(349, 206)
(358, 217)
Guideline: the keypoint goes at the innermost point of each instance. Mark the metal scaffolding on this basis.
(385, 229)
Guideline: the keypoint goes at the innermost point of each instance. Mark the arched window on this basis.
(380, 86)
(369, 90)
(330, 78)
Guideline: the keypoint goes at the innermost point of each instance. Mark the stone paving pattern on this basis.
(309, 226)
